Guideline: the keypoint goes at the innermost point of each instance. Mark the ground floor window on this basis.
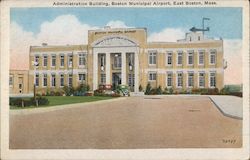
(103, 78)
(152, 76)
(53, 80)
(70, 80)
(212, 79)
(131, 78)
(37, 80)
(82, 77)
(201, 79)
(190, 79)
(169, 79)
(61, 80)
(179, 79)
(11, 81)
(45, 80)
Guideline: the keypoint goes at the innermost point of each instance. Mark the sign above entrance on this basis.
(114, 41)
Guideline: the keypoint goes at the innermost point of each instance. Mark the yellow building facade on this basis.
(124, 56)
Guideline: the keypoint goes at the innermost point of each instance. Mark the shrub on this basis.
(68, 90)
(140, 88)
(148, 89)
(159, 90)
(52, 93)
(24, 102)
(58, 93)
(225, 90)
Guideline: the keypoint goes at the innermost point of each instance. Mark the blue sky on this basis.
(224, 22)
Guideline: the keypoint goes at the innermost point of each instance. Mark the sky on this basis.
(33, 26)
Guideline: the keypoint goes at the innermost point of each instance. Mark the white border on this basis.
(216, 153)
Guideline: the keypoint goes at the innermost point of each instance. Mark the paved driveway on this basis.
(134, 122)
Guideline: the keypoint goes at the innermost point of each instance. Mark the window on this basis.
(103, 78)
(212, 79)
(11, 80)
(37, 59)
(152, 76)
(212, 57)
(82, 59)
(179, 58)
(202, 79)
(199, 38)
(37, 80)
(190, 58)
(45, 80)
(131, 78)
(201, 58)
(61, 80)
(179, 79)
(53, 80)
(70, 80)
(62, 60)
(53, 60)
(152, 58)
(82, 77)
(45, 60)
(169, 79)
(131, 59)
(118, 61)
(70, 61)
(169, 58)
(190, 79)
(102, 60)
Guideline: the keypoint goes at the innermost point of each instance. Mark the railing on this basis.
(116, 67)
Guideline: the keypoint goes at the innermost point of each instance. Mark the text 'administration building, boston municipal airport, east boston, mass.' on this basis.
(124, 56)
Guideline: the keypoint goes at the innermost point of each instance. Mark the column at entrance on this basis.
(136, 62)
(107, 68)
(95, 70)
(124, 77)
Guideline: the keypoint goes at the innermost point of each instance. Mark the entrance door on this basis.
(116, 79)
(20, 84)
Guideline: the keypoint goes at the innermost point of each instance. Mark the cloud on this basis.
(167, 35)
(65, 29)
(117, 24)
(233, 56)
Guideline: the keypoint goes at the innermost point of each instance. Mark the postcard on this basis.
(124, 79)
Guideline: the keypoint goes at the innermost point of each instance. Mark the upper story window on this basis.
(179, 58)
(82, 59)
(212, 57)
(190, 58)
(118, 61)
(37, 59)
(102, 60)
(169, 58)
(53, 60)
(45, 60)
(62, 60)
(152, 76)
(131, 59)
(201, 57)
(11, 79)
(70, 60)
(152, 58)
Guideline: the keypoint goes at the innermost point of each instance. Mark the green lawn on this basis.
(61, 100)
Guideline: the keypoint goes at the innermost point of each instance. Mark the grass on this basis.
(61, 100)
